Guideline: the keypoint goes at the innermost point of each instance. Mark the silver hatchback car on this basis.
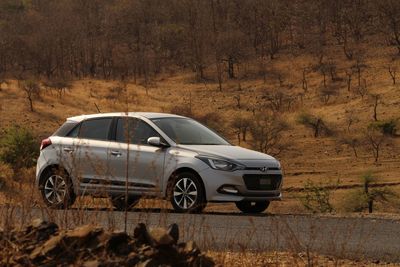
(126, 156)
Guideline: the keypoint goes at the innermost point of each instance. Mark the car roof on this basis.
(148, 115)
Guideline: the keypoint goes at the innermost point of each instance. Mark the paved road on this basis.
(353, 238)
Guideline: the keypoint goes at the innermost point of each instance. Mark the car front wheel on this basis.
(252, 206)
(187, 194)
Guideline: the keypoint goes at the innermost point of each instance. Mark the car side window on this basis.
(74, 132)
(96, 129)
(137, 130)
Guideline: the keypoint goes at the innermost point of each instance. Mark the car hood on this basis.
(228, 151)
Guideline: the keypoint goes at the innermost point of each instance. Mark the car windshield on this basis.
(186, 131)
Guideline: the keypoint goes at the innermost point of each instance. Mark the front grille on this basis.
(262, 181)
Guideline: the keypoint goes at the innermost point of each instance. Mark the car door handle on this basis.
(68, 149)
(116, 153)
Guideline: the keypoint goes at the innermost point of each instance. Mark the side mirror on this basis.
(156, 141)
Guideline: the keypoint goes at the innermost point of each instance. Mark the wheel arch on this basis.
(182, 170)
(51, 167)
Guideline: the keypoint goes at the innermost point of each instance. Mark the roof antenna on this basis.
(98, 110)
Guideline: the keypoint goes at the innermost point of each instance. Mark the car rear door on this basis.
(92, 152)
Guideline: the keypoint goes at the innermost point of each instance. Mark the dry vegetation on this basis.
(312, 82)
(316, 86)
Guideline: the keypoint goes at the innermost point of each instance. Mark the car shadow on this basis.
(171, 211)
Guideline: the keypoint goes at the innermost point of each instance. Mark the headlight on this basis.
(221, 164)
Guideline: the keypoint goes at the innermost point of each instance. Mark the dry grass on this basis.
(253, 259)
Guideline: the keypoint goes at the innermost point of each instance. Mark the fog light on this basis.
(230, 189)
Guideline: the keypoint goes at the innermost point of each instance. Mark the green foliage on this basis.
(18, 147)
(359, 200)
(387, 127)
(317, 197)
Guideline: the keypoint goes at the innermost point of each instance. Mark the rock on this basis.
(173, 231)
(118, 244)
(161, 237)
(49, 247)
(41, 243)
(91, 263)
(141, 235)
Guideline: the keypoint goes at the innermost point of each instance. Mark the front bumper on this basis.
(216, 180)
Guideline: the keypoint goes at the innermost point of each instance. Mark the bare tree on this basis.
(32, 91)
(375, 139)
(315, 123)
(393, 72)
(390, 21)
(349, 75)
(267, 134)
(375, 98)
(241, 125)
(351, 140)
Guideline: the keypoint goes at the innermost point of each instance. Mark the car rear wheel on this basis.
(57, 189)
(187, 194)
(121, 204)
(252, 206)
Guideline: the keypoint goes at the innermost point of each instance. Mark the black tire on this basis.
(252, 206)
(193, 198)
(119, 202)
(57, 189)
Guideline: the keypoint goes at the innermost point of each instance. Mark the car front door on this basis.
(133, 158)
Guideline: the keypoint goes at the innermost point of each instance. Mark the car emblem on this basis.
(263, 169)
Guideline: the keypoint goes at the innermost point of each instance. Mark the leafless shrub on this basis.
(362, 89)
(182, 110)
(59, 85)
(316, 123)
(241, 125)
(376, 100)
(392, 72)
(327, 92)
(349, 75)
(31, 89)
(350, 118)
(267, 133)
(212, 120)
(351, 140)
(375, 138)
(114, 93)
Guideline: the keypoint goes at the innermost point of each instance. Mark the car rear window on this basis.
(65, 128)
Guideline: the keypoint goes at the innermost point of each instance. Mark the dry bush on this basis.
(32, 91)
(354, 141)
(58, 85)
(267, 133)
(327, 92)
(6, 175)
(316, 123)
(182, 110)
(240, 126)
(212, 120)
(278, 101)
(375, 139)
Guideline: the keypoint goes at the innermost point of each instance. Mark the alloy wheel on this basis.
(185, 193)
(55, 189)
